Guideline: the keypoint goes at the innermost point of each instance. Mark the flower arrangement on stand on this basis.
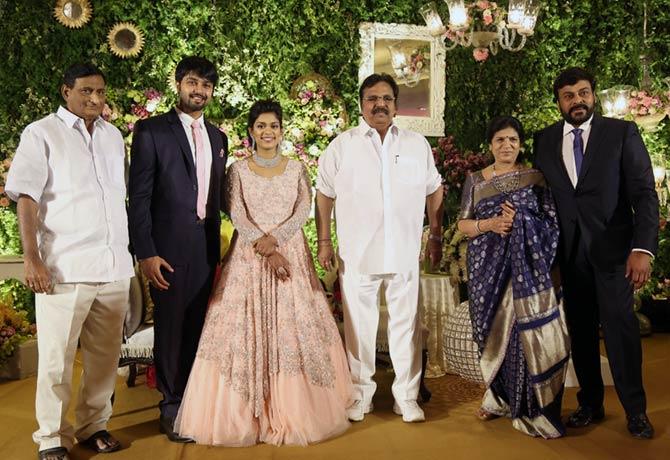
(647, 109)
(14, 328)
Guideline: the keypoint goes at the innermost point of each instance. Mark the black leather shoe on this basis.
(640, 427)
(584, 416)
(166, 425)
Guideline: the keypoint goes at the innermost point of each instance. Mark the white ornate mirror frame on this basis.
(432, 124)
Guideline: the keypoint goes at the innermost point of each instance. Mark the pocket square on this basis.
(222, 153)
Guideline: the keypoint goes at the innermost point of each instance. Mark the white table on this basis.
(11, 267)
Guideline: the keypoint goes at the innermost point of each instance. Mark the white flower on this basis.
(152, 105)
(297, 134)
(327, 130)
(287, 147)
(314, 150)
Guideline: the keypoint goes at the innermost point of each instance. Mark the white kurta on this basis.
(77, 179)
(380, 191)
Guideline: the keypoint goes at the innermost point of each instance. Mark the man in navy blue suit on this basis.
(177, 174)
(602, 180)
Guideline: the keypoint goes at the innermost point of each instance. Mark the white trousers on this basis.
(92, 314)
(360, 295)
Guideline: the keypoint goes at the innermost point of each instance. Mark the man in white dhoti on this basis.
(380, 178)
(67, 178)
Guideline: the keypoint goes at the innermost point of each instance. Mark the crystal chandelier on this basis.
(484, 24)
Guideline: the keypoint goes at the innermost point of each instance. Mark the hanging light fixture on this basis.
(484, 24)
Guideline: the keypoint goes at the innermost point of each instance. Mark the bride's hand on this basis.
(265, 245)
(279, 265)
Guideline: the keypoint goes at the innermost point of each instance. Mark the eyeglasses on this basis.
(374, 99)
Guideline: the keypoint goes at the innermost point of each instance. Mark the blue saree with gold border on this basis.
(517, 315)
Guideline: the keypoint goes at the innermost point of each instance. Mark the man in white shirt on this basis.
(380, 178)
(67, 178)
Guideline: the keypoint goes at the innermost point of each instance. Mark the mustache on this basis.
(198, 95)
(580, 106)
(377, 110)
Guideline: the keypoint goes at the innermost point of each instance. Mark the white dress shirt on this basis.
(78, 181)
(187, 122)
(568, 152)
(380, 191)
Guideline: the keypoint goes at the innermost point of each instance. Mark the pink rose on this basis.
(4, 202)
(488, 17)
(480, 54)
(483, 4)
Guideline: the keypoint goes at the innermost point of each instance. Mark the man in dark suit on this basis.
(601, 177)
(177, 175)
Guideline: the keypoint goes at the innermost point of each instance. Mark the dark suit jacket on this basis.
(614, 203)
(163, 190)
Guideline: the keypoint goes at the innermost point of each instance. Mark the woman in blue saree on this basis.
(518, 323)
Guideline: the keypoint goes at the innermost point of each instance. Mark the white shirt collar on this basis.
(188, 120)
(567, 127)
(366, 130)
(71, 119)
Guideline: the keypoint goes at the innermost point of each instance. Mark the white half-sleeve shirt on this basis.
(78, 181)
(380, 191)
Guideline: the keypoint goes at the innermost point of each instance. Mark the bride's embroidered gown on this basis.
(270, 365)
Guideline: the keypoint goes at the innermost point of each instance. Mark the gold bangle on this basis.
(479, 230)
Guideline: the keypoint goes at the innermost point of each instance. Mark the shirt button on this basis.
(195, 187)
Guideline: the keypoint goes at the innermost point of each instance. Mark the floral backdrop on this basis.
(262, 47)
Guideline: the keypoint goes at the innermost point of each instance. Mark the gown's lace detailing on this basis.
(303, 206)
(257, 325)
(246, 227)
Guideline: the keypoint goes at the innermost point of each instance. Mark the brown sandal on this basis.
(484, 415)
(102, 442)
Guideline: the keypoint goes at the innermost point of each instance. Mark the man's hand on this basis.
(638, 268)
(326, 256)
(434, 253)
(37, 276)
(266, 245)
(151, 267)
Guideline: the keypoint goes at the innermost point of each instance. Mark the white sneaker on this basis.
(410, 411)
(356, 412)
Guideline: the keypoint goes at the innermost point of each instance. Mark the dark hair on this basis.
(80, 70)
(502, 122)
(375, 78)
(571, 76)
(200, 66)
(264, 106)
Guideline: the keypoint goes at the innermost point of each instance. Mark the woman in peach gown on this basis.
(270, 365)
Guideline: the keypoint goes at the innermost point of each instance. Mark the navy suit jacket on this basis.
(614, 202)
(163, 190)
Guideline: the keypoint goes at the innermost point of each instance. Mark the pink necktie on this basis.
(200, 169)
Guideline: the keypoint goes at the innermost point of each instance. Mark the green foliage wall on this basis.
(264, 45)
